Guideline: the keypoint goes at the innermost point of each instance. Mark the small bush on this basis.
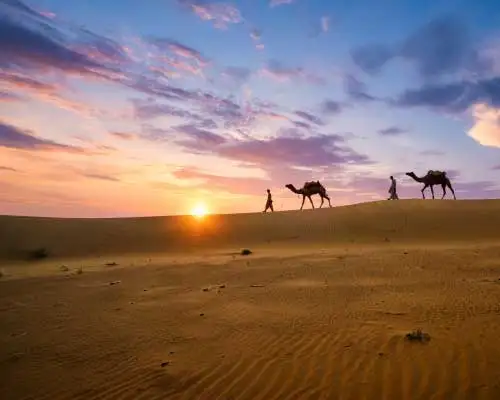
(246, 252)
(418, 336)
(79, 271)
(38, 254)
(2, 274)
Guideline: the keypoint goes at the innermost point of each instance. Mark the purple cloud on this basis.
(277, 71)
(15, 138)
(42, 47)
(238, 74)
(442, 46)
(452, 97)
(391, 131)
(8, 97)
(179, 49)
(313, 119)
(330, 107)
(356, 89)
(313, 151)
(371, 57)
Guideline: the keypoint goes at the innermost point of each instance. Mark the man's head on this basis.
(268, 191)
(392, 178)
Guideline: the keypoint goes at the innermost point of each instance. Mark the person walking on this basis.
(393, 195)
(269, 202)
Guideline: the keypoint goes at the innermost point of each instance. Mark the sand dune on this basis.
(320, 310)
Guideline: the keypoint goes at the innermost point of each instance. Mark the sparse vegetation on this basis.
(38, 254)
(246, 252)
(64, 268)
(418, 336)
(79, 271)
(2, 274)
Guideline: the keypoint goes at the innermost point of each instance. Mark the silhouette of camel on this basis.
(434, 178)
(309, 189)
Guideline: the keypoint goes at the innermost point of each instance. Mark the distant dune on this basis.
(400, 221)
(167, 308)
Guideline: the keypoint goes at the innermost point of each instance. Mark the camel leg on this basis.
(444, 191)
(312, 204)
(322, 201)
(432, 191)
(423, 195)
(303, 199)
(448, 183)
(328, 198)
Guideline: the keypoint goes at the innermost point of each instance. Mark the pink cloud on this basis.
(123, 135)
(486, 129)
(221, 14)
(12, 137)
(46, 92)
(282, 73)
(237, 185)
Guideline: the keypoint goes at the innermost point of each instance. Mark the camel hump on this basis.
(436, 173)
(312, 183)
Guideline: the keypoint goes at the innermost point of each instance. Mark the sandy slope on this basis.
(320, 310)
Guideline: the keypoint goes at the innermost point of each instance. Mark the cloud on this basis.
(8, 169)
(101, 177)
(277, 71)
(391, 131)
(486, 129)
(331, 107)
(276, 3)
(441, 46)
(452, 97)
(237, 74)
(371, 57)
(309, 117)
(179, 49)
(8, 97)
(15, 138)
(313, 151)
(236, 185)
(356, 89)
(41, 47)
(256, 36)
(432, 153)
(197, 138)
(123, 135)
(221, 14)
(496, 167)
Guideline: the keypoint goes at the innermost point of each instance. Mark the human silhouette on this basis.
(269, 202)
(393, 195)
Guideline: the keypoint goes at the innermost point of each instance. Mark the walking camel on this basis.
(433, 178)
(309, 189)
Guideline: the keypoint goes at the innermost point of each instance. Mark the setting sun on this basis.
(199, 211)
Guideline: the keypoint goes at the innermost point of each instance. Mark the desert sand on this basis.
(167, 308)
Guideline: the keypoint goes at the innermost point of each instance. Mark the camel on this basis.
(434, 178)
(309, 189)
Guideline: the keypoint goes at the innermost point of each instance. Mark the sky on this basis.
(141, 108)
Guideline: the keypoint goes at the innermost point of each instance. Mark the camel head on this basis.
(412, 174)
(292, 188)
